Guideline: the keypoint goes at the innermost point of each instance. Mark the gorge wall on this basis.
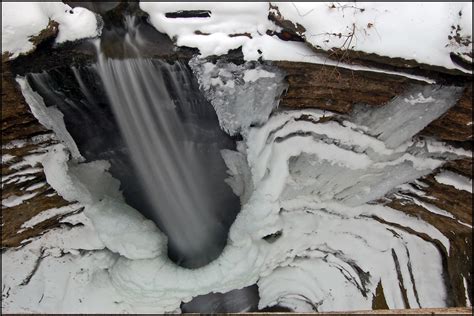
(335, 98)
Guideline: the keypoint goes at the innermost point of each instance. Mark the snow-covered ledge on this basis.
(426, 33)
(23, 22)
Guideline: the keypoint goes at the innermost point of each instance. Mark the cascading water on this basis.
(150, 120)
(162, 138)
(174, 149)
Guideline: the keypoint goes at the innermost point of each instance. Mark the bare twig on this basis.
(299, 13)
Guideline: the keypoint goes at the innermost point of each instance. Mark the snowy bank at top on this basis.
(428, 33)
(22, 21)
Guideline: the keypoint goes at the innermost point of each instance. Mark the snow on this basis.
(6, 158)
(410, 188)
(432, 208)
(52, 212)
(308, 179)
(23, 20)
(86, 182)
(14, 200)
(455, 180)
(410, 30)
(274, 49)
(296, 178)
(466, 292)
(18, 143)
(36, 186)
(125, 231)
(253, 75)
(438, 147)
(226, 19)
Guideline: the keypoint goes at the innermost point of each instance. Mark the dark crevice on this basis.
(271, 238)
(400, 279)
(188, 14)
(412, 278)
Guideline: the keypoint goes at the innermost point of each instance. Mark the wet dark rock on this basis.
(235, 301)
(337, 89)
(184, 14)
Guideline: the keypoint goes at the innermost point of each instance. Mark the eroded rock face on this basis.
(337, 89)
(25, 192)
(458, 229)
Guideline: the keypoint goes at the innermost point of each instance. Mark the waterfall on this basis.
(175, 168)
(163, 140)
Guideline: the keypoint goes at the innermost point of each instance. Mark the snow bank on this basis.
(410, 31)
(23, 20)
(232, 18)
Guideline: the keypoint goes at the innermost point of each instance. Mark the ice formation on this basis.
(49, 117)
(242, 95)
(21, 21)
(409, 113)
(306, 179)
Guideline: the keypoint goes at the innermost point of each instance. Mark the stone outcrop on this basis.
(23, 135)
(337, 89)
